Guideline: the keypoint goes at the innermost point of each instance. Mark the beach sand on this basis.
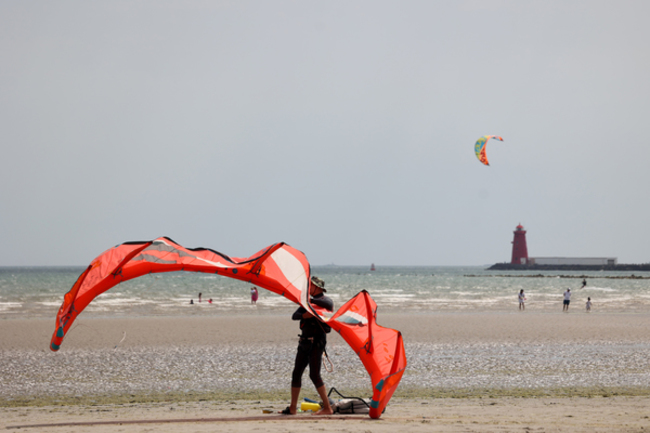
(614, 414)
(495, 371)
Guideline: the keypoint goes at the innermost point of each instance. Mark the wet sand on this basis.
(514, 371)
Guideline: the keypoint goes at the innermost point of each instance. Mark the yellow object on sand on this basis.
(305, 406)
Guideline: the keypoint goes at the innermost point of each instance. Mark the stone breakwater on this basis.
(644, 267)
(607, 277)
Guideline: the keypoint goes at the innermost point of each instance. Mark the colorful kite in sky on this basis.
(278, 268)
(480, 146)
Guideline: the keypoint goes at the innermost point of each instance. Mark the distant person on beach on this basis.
(200, 294)
(313, 340)
(584, 283)
(567, 301)
(588, 305)
(210, 301)
(522, 299)
(191, 301)
(254, 295)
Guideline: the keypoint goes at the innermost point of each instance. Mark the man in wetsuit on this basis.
(313, 340)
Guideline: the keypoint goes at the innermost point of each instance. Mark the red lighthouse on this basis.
(519, 248)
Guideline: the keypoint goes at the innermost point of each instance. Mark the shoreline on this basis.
(90, 332)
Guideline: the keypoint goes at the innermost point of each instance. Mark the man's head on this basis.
(317, 286)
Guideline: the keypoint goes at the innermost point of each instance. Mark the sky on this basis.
(345, 129)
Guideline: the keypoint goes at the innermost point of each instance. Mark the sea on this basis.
(37, 292)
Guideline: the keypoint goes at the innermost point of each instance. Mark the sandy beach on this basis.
(615, 414)
(495, 371)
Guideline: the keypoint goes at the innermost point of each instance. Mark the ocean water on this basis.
(38, 292)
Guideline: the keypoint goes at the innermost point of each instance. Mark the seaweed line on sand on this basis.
(403, 394)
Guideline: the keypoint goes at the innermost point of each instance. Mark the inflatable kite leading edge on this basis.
(278, 268)
(480, 147)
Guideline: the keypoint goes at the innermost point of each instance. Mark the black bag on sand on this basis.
(352, 405)
(349, 405)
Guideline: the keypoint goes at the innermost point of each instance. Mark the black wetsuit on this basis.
(313, 340)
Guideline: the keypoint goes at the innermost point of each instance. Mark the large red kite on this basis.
(278, 268)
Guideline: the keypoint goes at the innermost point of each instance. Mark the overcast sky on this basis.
(345, 129)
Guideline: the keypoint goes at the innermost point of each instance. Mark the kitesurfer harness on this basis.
(325, 355)
(326, 359)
